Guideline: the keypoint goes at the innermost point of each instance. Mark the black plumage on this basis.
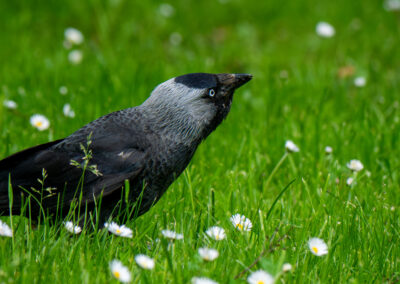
(147, 146)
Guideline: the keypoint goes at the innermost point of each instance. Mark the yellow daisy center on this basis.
(38, 123)
(260, 282)
(240, 226)
(116, 274)
(217, 237)
(315, 249)
(118, 231)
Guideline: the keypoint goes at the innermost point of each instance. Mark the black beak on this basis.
(233, 81)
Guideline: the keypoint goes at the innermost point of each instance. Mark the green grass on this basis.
(127, 52)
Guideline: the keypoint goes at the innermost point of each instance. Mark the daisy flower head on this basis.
(355, 165)
(75, 56)
(40, 122)
(208, 254)
(360, 82)
(203, 280)
(63, 90)
(287, 267)
(392, 5)
(324, 29)
(68, 111)
(349, 181)
(73, 36)
(72, 228)
(119, 271)
(328, 150)
(241, 223)
(291, 147)
(317, 246)
(216, 233)
(5, 230)
(172, 235)
(118, 230)
(10, 104)
(260, 277)
(144, 261)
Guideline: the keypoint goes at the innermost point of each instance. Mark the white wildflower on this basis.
(216, 233)
(75, 57)
(203, 280)
(291, 147)
(73, 36)
(349, 181)
(5, 230)
(144, 261)
(171, 235)
(328, 150)
(260, 277)
(355, 165)
(392, 5)
(68, 112)
(40, 122)
(208, 254)
(121, 231)
(74, 229)
(318, 246)
(323, 29)
(166, 10)
(360, 82)
(10, 104)
(63, 90)
(119, 271)
(287, 267)
(241, 223)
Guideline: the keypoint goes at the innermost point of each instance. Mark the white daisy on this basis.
(119, 271)
(360, 82)
(63, 90)
(287, 267)
(203, 280)
(171, 235)
(241, 223)
(328, 150)
(10, 104)
(392, 5)
(68, 112)
(144, 261)
(260, 277)
(75, 56)
(291, 147)
(73, 36)
(318, 246)
(355, 165)
(349, 181)
(121, 231)
(216, 233)
(72, 228)
(323, 29)
(166, 10)
(5, 230)
(208, 254)
(40, 122)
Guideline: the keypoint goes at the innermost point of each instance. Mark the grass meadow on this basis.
(303, 90)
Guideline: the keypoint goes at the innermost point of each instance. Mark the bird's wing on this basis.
(118, 155)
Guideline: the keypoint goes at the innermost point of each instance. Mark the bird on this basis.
(123, 161)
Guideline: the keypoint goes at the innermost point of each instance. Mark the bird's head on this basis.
(195, 104)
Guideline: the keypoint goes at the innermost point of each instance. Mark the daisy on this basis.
(71, 228)
(68, 112)
(5, 230)
(121, 231)
(291, 147)
(40, 122)
(328, 150)
(392, 5)
(119, 271)
(171, 235)
(73, 36)
(318, 246)
(349, 181)
(241, 223)
(10, 104)
(216, 233)
(208, 254)
(360, 82)
(287, 267)
(144, 261)
(323, 29)
(260, 277)
(75, 56)
(63, 90)
(203, 280)
(355, 165)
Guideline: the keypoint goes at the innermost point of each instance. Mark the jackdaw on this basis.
(144, 148)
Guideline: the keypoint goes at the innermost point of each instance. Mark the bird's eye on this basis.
(211, 92)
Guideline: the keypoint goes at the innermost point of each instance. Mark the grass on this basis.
(128, 51)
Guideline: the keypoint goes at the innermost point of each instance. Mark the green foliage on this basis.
(295, 94)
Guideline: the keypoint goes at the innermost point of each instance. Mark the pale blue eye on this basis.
(211, 92)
